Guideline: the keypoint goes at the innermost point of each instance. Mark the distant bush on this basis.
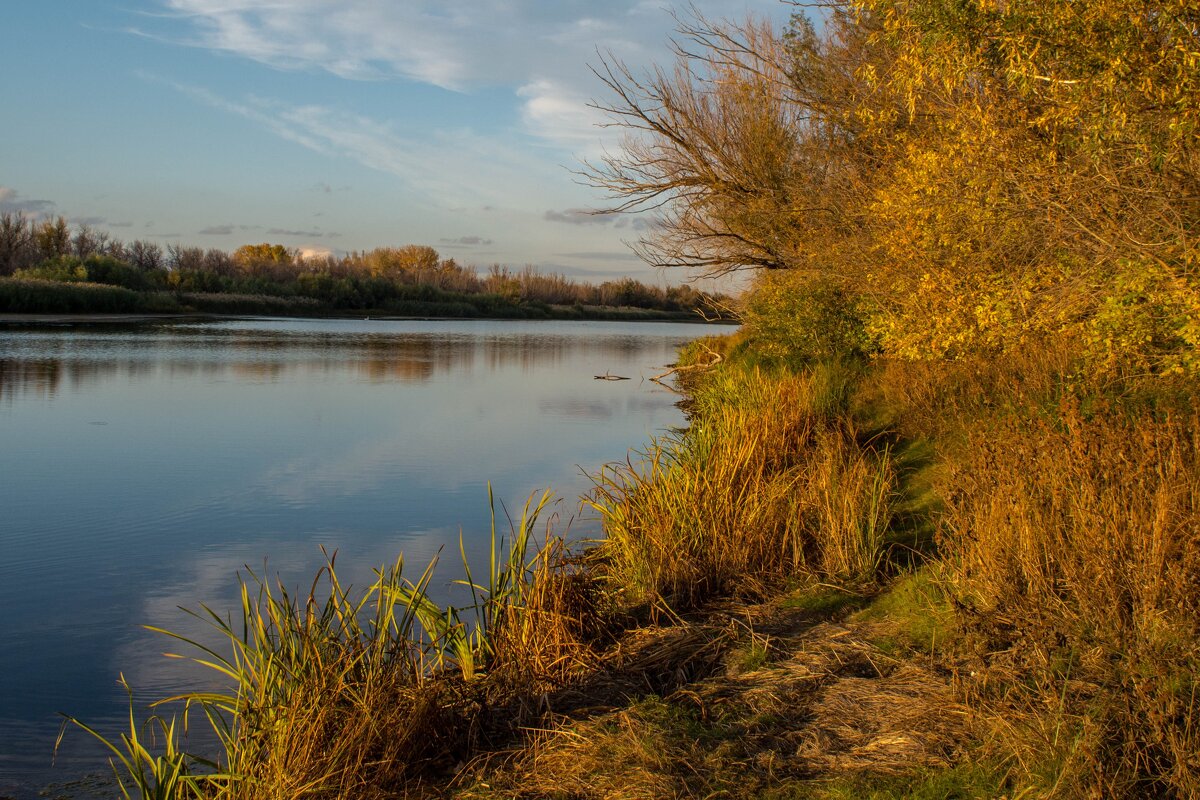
(792, 315)
(249, 304)
(96, 269)
(105, 269)
(32, 295)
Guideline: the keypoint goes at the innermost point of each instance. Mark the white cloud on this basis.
(540, 48)
(315, 253)
(561, 114)
(452, 167)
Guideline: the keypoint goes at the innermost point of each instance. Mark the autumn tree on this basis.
(953, 177)
(254, 254)
(272, 262)
(1054, 186)
(52, 238)
(397, 262)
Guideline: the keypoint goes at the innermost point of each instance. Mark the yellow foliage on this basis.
(966, 175)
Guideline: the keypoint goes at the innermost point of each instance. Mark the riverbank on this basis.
(885, 579)
(935, 579)
(28, 296)
(598, 314)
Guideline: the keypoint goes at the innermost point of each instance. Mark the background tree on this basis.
(16, 243)
(52, 238)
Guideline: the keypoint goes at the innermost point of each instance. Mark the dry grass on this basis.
(342, 693)
(1076, 540)
(762, 486)
(557, 632)
(827, 704)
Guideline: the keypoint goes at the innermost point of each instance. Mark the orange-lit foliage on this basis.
(980, 174)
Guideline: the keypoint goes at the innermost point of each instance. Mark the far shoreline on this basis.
(28, 319)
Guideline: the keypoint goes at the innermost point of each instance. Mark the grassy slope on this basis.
(1047, 648)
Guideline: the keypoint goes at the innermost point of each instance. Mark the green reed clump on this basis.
(171, 774)
(355, 693)
(761, 486)
(323, 691)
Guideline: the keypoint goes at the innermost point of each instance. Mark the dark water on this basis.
(141, 468)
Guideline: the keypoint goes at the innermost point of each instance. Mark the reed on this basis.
(34, 295)
(356, 693)
(1077, 536)
(760, 487)
(140, 772)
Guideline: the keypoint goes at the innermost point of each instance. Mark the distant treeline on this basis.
(38, 259)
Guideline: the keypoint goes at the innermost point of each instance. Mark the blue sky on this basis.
(327, 124)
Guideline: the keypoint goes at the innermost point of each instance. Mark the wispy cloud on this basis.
(540, 48)
(450, 167)
(579, 216)
(561, 113)
(602, 255)
(313, 234)
(225, 230)
(591, 217)
(93, 222)
(468, 241)
(11, 202)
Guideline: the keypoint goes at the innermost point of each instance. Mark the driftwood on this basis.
(714, 360)
(608, 376)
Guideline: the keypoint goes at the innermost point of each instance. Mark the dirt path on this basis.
(747, 701)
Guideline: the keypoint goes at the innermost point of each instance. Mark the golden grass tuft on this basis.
(558, 630)
(760, 487)
(1075, 541)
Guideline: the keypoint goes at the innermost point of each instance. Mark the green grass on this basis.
(825, 601)
(962, 782)
(753, 655)
(918, 607)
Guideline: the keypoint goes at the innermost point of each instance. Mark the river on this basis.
(141, 467)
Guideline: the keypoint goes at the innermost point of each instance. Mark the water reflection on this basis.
(265, 354)
(142, 468)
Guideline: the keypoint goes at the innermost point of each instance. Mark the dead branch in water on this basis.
(716, 359)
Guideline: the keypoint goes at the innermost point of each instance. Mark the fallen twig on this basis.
(716, 359)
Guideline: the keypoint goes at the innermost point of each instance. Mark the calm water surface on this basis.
(141, 468)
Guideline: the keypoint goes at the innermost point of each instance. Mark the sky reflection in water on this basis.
(143, 467)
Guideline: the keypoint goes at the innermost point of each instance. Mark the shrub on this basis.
(26, 295)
